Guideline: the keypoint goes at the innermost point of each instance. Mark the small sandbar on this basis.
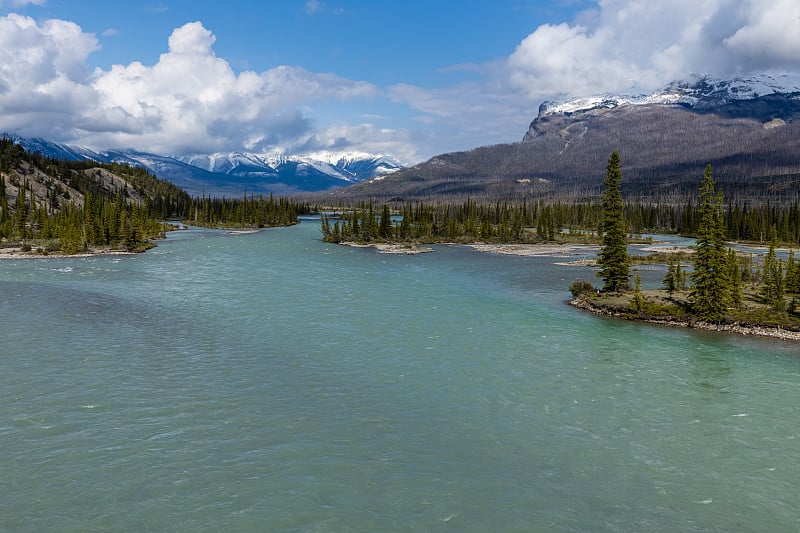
(17, 253)
(532, 250)
(241, 231)
(578, 263)
(391, 248)
(669, 249)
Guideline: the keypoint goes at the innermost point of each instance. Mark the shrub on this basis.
(580, 288)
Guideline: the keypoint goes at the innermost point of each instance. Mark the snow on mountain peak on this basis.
(698, 91)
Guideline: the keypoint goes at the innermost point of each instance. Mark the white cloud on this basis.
(42, 75)
(621, 45)
(366, 137)
(189, 101)
(770, 36)
(651, 42)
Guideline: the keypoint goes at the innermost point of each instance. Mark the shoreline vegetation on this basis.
(724, 290)
(625, 309)
(54, 207)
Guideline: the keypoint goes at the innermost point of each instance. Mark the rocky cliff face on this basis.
(746, 128)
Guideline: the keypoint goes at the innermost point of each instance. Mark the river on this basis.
(273, 382)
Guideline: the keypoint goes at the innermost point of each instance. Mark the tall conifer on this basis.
(711, 294)
(613, 258)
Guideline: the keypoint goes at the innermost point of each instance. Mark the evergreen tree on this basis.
(735, 277)
(680, 276)
(670, 278)
(613, 258)
(773, 289)
(792, 274)
(385, 227)
(711, 295)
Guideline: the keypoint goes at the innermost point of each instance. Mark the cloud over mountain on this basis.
(651, 42)
(189, 101)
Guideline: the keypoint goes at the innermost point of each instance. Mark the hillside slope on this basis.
(749, 134)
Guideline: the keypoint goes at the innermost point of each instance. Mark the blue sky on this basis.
(409, 79)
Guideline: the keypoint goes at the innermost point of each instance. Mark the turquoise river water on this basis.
(272, 382)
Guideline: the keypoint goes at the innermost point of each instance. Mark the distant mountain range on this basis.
(746, 127)
(233, 174)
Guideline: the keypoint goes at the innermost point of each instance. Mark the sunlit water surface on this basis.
(272, 382)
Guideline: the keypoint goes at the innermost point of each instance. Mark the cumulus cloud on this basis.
(42, 74)
(618, 46)
(647, 43)
(189, 101)
(192, 101)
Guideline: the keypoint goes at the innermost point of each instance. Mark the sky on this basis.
(409, 79)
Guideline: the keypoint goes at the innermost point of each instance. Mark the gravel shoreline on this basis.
(691, 323)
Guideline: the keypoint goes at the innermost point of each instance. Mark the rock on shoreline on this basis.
(689, 322)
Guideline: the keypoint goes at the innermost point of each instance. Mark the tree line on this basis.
(258, 212)
(548, 221)
(718, 277)
(72, 206)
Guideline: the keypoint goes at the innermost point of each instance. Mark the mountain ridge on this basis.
(234, 173)
(747, 128)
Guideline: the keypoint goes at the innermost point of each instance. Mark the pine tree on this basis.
(385, 226)
(773, 289)
(670, 278)
(613, 258)
(711, 294)
(735, 277)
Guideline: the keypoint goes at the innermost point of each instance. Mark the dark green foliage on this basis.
(773, 287)
(580, 288)
(671, 278)
(466, 222)
(735, 278)
(613, 257)
(711, 294)
(117, 206)
(247, 212)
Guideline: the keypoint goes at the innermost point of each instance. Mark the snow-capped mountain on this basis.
(232, 174)
(747, 128)
(698, 92)
(350, 167)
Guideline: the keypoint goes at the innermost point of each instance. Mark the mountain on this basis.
(746, 127)
(53, 185)
(233, 174)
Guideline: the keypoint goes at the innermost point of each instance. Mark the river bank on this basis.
(19, 253)
(623, 311)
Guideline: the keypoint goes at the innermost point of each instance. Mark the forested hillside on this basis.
(54, 205)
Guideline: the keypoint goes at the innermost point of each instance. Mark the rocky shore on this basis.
(687, 322)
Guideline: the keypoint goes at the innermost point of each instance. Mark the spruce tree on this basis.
(773, 289)
(385, 227)
(735, 277)
(711, 295)
(671, 278)
(613, 257)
